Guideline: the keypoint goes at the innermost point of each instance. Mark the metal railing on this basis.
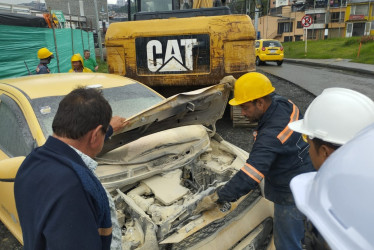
(12, 8)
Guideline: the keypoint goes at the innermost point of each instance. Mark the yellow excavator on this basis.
(175, 46)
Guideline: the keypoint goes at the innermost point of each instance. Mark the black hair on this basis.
(318, 143)
(81, 111)
(86, 50)
(266, 98)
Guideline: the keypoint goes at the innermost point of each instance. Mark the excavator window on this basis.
(162, 9)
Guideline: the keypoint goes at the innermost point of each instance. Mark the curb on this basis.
(355, 70)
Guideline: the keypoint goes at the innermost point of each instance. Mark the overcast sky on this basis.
(28, 1)
(18, 1)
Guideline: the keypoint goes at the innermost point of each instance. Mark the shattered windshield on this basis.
(125, 101)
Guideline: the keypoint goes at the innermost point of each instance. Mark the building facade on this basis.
(359, 18)
(285, 26)
(85, 9)
(284, 23)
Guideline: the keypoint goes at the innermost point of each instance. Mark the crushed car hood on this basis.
(203, 106)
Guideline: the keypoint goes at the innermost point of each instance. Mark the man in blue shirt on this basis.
(278, 154)
(60, 202)
(45, 57)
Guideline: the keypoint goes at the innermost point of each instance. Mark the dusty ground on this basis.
(7, 241)
(238, 136)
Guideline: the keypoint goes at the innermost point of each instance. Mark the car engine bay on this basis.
(158, 180)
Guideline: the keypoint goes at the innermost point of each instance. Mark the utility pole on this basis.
(267, 19)
(98, 31)
(256, 21)
(71, 31)
(314, 17)
(128, 10)
(54, 38)
(327, 20)
(340, 13)
(258, 5)
(291, 24)
(294, 31)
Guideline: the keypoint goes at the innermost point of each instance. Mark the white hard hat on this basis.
(338, 199)
(336, 115)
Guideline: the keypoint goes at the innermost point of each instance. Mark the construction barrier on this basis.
(19, 46)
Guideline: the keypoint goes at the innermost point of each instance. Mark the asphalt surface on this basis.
(317, 77)
(7, 241)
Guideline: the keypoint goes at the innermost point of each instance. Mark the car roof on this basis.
(268, 40)
(45, 85)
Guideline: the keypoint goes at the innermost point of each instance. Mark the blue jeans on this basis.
(288, 227)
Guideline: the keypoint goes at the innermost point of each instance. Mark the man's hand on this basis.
(207, 203)
(228, 79)
(118, 123)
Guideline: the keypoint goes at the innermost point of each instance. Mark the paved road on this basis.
(315, 79)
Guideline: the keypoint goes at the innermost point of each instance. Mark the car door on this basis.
(16, 139)
(16, 142)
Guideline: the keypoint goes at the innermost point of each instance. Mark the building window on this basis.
(316, 34)
(288, 39)
(299, 25)
(342, 16)
(362, 9)
(318, 18)
(312, 35)
(335, 17)
(338, 3)
(297, 38)
(284, 27)
(320, 3)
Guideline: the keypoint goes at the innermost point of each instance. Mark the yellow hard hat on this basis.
(249, 87)
(44, 53)
(77, 57)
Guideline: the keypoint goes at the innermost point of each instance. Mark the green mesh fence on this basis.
(20, 44)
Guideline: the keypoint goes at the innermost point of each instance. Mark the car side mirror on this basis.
(9, 168)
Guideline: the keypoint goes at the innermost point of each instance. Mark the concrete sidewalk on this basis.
(341, 64)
